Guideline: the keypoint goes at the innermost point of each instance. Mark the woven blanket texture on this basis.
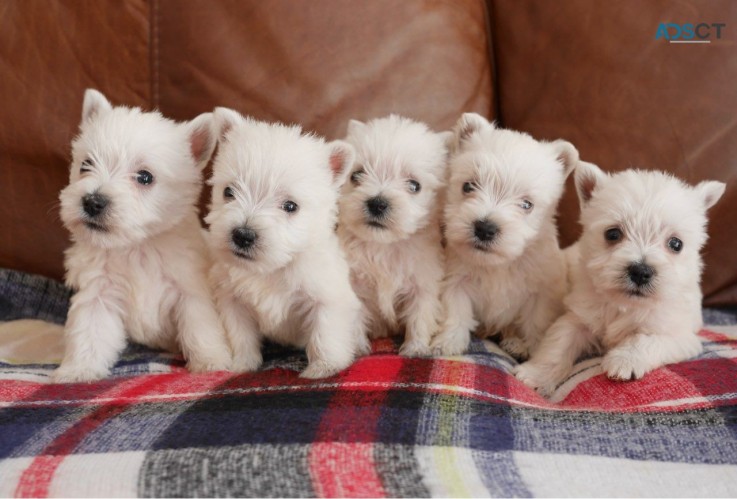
(387, 426)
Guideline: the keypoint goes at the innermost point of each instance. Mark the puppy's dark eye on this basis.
(289, 206)
(613, 235)
(413, 186)
(468, 187)
(356, 176)
(675, 244)
(87, 165)
(144, 177)
(526, 205)
(228, 193)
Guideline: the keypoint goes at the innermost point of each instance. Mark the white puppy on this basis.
(280, 272)
(505, 271)
(635, 274)
(138, 259)
(390, 229)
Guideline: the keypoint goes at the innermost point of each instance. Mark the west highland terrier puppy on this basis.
(280, 272)
(138, 259)
(505, 271)
(390, 229)
(635, 277)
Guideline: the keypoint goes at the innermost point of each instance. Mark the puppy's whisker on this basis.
(55, 207)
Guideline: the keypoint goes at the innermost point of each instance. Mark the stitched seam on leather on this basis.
(496, 112)
(154, 54)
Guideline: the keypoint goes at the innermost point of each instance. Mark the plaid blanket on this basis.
(388, 426)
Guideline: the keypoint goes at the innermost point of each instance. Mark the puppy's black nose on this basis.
(640, 273)
(95, 203)
(243, 237)
(484, 230)
(377, 206)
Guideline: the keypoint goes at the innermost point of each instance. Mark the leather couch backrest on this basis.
(591, 72)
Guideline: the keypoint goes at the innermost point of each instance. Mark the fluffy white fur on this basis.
(292, 284)
(396, 257)
(139, 266)
(514, 284)
(637, 328)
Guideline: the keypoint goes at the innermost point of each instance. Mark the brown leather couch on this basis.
(590, 71)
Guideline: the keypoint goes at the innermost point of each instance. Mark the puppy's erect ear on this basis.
(342, 157)
(94, 104)
(566, 154)
(223, 121)
(710, 191)
(201, 138)
(587, 176)
(468, 124)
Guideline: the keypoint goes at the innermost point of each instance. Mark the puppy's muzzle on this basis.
(485, 231)
(640, 274)
(243, 237)
(95, 204)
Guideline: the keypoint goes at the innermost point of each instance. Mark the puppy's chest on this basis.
(273, 301)
(139, 272)
(612, 323)
(383, 275)
(153, 295)
(137, 281)
(499, 296)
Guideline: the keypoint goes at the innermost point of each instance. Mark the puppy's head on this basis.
(274, 191)
(642, 231)
(503, 189)
(391, 194)
(133, 174)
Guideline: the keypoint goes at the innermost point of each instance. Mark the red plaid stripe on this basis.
(356, 475)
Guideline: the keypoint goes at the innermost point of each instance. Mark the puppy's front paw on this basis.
(363, 346)
(74, 374)
(537, 377)
(247, 363)
(415, 349)
(202, 363)
(623, 366)
(453, 342)
(320, 369)
(515, 347)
